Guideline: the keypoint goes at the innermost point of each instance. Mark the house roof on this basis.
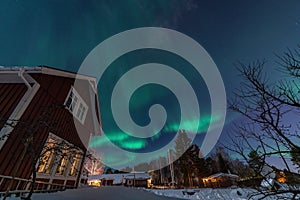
(117, 178)
(46, 70)
(138, 175)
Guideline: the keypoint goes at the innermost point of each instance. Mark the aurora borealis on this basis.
(124, 140)
(60, 34)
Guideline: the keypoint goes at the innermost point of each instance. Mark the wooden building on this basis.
(220, 180)
(134, 179)
(137, 179)
(41, 107)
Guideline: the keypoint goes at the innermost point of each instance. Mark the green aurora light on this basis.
(189, 125)
(119, 138)
(124, 140)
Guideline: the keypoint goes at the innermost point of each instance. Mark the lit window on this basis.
(76, 105)
(63, 162)
(59, 157)
(47, 159)
(75, 165)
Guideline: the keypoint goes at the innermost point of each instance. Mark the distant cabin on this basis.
(220, 180)
(45, 107)
(137, 179)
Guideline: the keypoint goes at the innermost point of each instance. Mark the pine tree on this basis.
(223, 164)
(295, 154)
(203, 168)
(182, 143)
(212, 165)
(255, 162)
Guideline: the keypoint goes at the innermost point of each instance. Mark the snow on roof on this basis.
(222, 175)
(117, 178)
(137, 175)
(47, 70)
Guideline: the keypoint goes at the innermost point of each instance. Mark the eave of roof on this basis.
(47, 70)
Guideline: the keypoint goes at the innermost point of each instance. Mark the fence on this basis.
(21, 186)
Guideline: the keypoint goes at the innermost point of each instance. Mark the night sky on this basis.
(61, 34)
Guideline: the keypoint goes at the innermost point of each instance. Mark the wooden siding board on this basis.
(59, 92)
(5, 90)
(9, 89)
(70, 183)
(7, 103)
(11, 95)
(41, 131)
(6, 153)
(16, 156)
(59, 88)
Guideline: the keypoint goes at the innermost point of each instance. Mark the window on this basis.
(59, 157)
(63, 161)
(80, 112)
(47, 159)
(75, 164)
(76, 105)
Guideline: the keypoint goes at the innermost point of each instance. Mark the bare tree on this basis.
(61, 150)
(270, 110)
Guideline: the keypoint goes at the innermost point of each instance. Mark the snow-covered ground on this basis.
(216, 194)
(125, 193)
(96, 193)
(204, 193)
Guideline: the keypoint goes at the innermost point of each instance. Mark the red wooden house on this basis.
(43, 106)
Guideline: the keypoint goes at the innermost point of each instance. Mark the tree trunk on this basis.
(33, 183)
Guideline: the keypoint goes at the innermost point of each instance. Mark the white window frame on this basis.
(77, 156)
(81, 117)
(63, 163)
(50, 158)
(58, 157)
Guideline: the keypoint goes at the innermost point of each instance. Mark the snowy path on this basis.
(105, 193)
(124, 193)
